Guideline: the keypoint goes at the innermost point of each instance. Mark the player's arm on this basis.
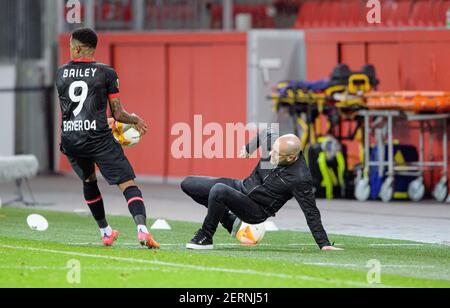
(117, 111)
(264, 139)
(119, 114)
(305, 197)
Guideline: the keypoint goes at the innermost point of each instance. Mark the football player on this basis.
(85, 89)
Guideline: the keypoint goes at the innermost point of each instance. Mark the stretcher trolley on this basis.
(380, 123)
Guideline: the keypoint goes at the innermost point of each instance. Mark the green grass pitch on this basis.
(284, 259)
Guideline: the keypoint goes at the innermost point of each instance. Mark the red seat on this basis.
(441, 13)
(304, 14)
(421, 13)
(128, 11)
(356, 14)
(311, 13)
(317, 18)
(400, 14)
(338, 15)
(118, 10)
(259, 15)
(353, 13)
(216, 16)
(387, 14)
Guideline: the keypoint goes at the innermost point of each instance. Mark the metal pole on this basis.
(422, 148)
(203, 16)
(138, 15)
(53, 26)
(61, 18)
(89, 20)
(367, 143)
(227, 15)
(445, 146)
(391, 144)
(21, 19)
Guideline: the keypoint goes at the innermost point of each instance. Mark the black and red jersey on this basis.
(85, 88)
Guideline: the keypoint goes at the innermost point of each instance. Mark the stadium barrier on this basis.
(170, 77)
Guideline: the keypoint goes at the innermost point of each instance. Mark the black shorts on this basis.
(114, 166)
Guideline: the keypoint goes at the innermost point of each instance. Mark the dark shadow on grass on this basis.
(264, 249)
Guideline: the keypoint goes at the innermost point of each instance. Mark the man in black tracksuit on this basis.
(272, 184)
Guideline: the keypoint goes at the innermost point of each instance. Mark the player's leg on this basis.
(117, 170)
(198, 188)
(85, 169)
(221, 199)
(136, 206)
(94, 200)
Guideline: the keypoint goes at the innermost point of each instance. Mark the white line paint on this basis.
(398, 245)
(364, 266)
(306, 245)
(264, 245)
(196, 267)
(92, 268)
(183, 245)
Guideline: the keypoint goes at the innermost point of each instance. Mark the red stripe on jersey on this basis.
(91, 202)
(135, 199)
(88, 60)
(113, 96)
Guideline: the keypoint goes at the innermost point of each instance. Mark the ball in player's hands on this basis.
(126, 134)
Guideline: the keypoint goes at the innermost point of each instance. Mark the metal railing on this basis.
(153, 15)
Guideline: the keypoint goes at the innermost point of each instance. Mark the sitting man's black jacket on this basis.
(273, 187)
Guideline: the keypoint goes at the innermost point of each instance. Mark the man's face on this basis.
(278, 158)
(279, 155)
(75, 49)
(274, 154)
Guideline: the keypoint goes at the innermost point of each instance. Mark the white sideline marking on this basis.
(92, 268)
(291, 245)
(396, 245)
(363, 265)
(261, 244)
(305, 245)
(184, 244)
(196, 267)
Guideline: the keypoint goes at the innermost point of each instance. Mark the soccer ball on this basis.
(251, 234)
(125, 134)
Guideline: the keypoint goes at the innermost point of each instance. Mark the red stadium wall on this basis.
(405, 60)
(169, 78)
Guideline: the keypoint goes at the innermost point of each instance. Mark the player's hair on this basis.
(86, 36)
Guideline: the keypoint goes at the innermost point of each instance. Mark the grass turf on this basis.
(284, 259)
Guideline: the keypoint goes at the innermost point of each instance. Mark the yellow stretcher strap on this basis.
(306, 154)
(312, 134)
(359, 138)
(330, 180)
(341, 168)
(331, 90)
(333, 177)
(304, 126)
